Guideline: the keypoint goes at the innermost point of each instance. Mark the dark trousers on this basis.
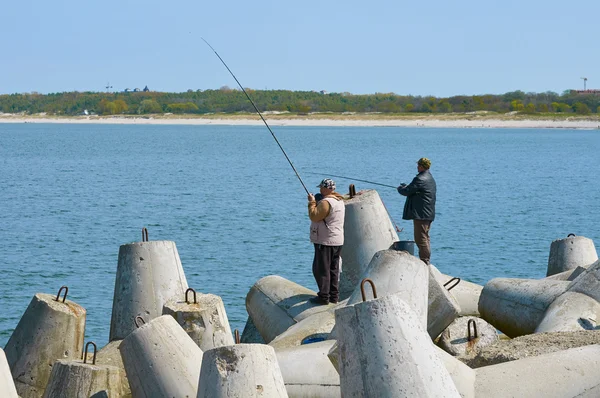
(326, 270)
(422, 228)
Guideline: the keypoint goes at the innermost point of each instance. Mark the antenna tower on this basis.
(584, 82)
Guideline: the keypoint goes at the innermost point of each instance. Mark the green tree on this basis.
(530, 108)
(149, 106)
(542, 108)
(409, 107)
(581, 108)
(120, 106)
(517, 105)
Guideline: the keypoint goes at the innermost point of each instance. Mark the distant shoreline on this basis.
(463, 120)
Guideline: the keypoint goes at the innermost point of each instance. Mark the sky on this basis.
(436, 47)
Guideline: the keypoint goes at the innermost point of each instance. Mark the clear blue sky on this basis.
(436, 47)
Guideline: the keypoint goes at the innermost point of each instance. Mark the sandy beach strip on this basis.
(335, 121)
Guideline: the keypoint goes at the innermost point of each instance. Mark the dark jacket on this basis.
(420, 197)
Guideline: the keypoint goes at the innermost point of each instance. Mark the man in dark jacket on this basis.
(420, 206)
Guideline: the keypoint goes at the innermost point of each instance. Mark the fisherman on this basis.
(327, 235)
(420, 206)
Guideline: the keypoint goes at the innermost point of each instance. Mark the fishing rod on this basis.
(356, 179)
(261, 116)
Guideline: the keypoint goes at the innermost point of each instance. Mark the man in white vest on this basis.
(327, 234)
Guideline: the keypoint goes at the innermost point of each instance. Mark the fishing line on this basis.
(370, 182)
(259, 114)
(356, 179)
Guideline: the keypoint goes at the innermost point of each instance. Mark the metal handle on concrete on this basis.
(352, 191)
(237, 336)
(362, 288)
(85, 353)
(60, 290)
(139, 318)
(568, 236)
(469, 337)
(144, 234)
(186, 295)
(450, 281)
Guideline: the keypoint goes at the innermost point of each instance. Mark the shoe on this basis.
(318, 300)
(333, 301)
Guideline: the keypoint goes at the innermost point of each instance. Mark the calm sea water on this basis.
(72, 194)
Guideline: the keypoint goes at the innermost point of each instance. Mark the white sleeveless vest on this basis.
(330, 232)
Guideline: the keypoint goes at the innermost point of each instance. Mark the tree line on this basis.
(227, 100)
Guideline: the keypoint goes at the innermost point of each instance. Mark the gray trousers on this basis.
(422, 228)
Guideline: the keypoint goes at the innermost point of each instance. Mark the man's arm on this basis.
(411, 189)
(318, 212)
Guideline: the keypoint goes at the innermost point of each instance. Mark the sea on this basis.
(72, 194)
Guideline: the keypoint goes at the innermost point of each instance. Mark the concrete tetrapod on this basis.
(466, 335)
(7, 386)
(385, 352)
(569, 253)
(48, 330)
(442, 307)
(76, 379)
(204, 319)
(314, 328)
(241, 370)
(398, 272)
(517, 306)
(569, 373)
(308, 372)
(275, 303)
(161, 360)
(148, 275)
(464, 292)
(367, 230)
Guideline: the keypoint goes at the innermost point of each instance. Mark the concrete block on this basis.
(48, 330)
(250, 335)
(517, 306)
(148, 275)
(241, 370)
(588, 282)
(317, 326)
(569, 373)
(443, 308)
(367, 230)
(385, 352)
(464, 292)
(204, 319)
(161, 360)
(111, 356)
(462, 375)
(308, 372)
(467, 335)
(397, 272)
(7, 386)
(75, 379)
(275, 303)
(569, 253)
(571, 311)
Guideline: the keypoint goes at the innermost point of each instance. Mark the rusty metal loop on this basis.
(450, 281)
(469, 337)
(362, 288)
(144, 234)
(186, 295)
(568, 236)
(237, 336)
(86, 352)
(352, 191)
(139, 318)
(60, 290)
